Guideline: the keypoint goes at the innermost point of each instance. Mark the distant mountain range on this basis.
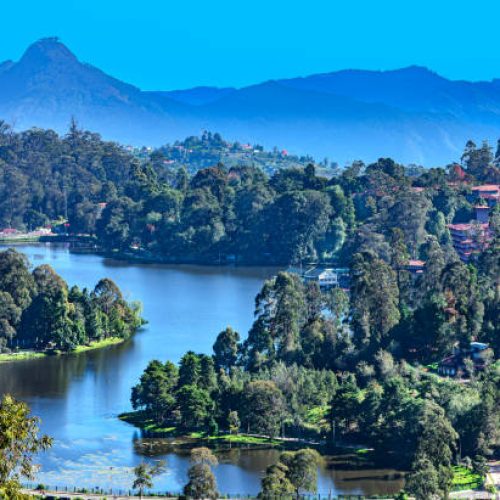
(411, 114)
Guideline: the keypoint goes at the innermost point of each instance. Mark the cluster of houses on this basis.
(472, 238)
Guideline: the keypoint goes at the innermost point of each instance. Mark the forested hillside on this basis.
(145, 208)
(195, 153)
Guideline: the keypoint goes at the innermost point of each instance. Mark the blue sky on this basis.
(166, 44)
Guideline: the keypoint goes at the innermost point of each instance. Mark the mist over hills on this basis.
(411, 114)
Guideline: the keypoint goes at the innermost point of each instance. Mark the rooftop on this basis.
(487, 187)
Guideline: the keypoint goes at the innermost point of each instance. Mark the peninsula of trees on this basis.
(38, 311)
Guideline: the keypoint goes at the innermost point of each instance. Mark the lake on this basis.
(79, 396)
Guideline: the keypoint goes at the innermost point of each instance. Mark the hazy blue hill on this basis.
(197, 95)
(412, 114)
(274, 100)
(336, 126)
(4, 66)
(413, 89)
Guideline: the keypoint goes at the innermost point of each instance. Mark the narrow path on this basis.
(90, 496)
(494, 474)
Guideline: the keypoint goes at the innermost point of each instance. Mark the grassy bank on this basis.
(144, 422)
(19, 356)
(20, 239)
(99, 344)
(24, 355)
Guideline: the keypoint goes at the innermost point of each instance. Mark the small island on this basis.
(41, 315)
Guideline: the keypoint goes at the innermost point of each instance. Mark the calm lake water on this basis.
(79, 396)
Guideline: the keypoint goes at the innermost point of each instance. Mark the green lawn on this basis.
(465, 479)
(144, 421)
(244, 439)
(98, 344)
(18, 356)
(22, 355)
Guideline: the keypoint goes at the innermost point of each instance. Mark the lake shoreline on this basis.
(79, 397)
(29, 355)
(143, 421)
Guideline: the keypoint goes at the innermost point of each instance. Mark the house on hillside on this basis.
(326, 278)
(470, 239)
(415, 267)
(487, 194)
(453, 365)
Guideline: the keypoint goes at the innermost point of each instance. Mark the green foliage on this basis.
(144, 474)
(296, 472)
(263, 408)
(275, 483)
(38, 311)
(19, 444)
(320, 364)
(202, 483)
(466, 479)
(195, 406)
(226, 349)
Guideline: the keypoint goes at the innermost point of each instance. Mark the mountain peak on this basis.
(48, 50)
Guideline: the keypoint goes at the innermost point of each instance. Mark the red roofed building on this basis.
(415, 266)
(487, 193)
(486, 189)
(470, 239)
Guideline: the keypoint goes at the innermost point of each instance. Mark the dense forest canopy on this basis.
(230, 213)
(39, 311)
(326, 366)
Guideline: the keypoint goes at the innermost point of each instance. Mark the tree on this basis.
(297, 220)
(156, 390)
(202, 483)
(208, 377)
(19, 443)
(296, 472)
(275, 483)
(344, 406)
(226, 349)
(374, 300)
(263, 407)
(234, 422)
(280, 314)
(423, 481)
(436, 443)
(15, 277)
(302, 469)
(144, 474)
(189, 369)
(195, 406)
